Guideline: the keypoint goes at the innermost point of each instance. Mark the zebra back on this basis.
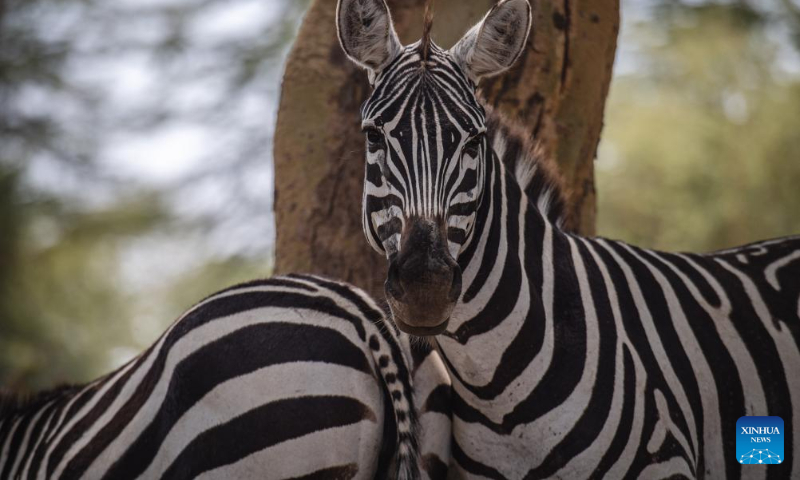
(277, 378)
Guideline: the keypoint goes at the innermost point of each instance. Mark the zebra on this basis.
(290, 377)
(570, 357)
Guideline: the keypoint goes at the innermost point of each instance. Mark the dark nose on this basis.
(424, 281)
(422, 273)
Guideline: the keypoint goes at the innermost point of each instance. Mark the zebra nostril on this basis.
(392, 284)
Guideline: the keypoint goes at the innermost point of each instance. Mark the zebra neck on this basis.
(534, 171)
(506, 311)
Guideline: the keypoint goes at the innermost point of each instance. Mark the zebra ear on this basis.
(493, 45)
(366, 33)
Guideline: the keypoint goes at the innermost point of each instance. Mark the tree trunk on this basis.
(558, 90)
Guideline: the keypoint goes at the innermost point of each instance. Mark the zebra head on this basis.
(426, 148)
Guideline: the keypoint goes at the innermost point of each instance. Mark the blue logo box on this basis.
(759, 440)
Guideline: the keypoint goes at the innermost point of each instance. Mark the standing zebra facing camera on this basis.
(291, 377)
(570, 357)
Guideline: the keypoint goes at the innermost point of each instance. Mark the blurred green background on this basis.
(135, 155)
(701, 146)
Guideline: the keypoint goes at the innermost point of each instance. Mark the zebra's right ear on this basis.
(493, 45)
(366, 33)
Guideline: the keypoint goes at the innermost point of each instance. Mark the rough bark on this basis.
(558, 90)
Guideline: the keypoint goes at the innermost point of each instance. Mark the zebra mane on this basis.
(14, 403)
(535, 170)
(427, 26)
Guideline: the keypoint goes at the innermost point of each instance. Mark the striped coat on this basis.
(570, 357)
(283, 378)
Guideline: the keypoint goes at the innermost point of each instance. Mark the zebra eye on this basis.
(374, 136)
(472, 148)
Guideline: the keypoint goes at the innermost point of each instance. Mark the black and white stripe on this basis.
(425, 136)
(570, 357)
(600, 359)
(292, 377)
(418, 126)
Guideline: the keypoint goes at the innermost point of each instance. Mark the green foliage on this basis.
(94, 264)
(66, 310)
(701, 148)
(62, 311)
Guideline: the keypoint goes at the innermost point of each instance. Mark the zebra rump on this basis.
(291, 377)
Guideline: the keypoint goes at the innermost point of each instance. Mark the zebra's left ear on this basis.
(493, 45)
(366, 33)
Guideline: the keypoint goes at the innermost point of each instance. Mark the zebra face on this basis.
(426, 148)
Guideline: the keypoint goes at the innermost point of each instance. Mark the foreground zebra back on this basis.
(281, 378)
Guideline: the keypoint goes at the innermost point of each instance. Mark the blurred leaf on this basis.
(701, 151)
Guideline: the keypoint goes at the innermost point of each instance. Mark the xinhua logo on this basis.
(759, 440)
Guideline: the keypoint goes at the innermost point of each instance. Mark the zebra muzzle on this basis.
(424, 282)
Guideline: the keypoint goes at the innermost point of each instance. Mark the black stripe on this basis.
(275, 422)
(344, 472)
(697, 279)
(492, 243)
(16, 443)
(74, 434)
(439, 400)
(48, 429)
(269, 283)
(473, 466)
(34, 439)
(592, 420)
(569, 336)
(656, 304)
(376, 316)
(434, 467)
(623, 432)
(727, 380)
(764, 352)
(241, 352)
(503, 300)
